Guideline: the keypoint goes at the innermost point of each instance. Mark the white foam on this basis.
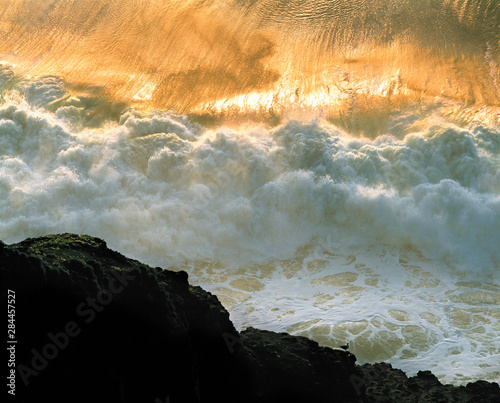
(263, 216)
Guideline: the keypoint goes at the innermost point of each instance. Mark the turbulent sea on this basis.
(328, 168)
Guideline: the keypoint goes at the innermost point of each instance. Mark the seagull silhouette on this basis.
(346, 346)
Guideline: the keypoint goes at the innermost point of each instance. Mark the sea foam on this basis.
(388, 242)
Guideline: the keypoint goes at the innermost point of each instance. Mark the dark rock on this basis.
(128, 348)
(296, 369)
(386, 384)
(93, 325)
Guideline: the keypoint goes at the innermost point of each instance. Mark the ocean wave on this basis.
(160, 182)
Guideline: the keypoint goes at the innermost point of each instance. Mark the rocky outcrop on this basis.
(382, 383)
(292, 368)
(93, 325)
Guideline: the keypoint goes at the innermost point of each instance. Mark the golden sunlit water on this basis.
(221, 55)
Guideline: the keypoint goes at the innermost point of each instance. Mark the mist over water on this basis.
(327, 168)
